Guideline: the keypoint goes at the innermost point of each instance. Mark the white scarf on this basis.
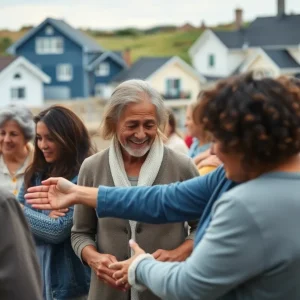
(149, 169)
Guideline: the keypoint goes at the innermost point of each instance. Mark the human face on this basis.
(191, 128)
(232, 163)
(137, 128)
(12, 138)
(46, 143)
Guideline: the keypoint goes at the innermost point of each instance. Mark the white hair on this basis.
(20, 114)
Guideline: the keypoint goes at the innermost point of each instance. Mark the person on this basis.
(201, 138)
(16, 151)
(20, 274)
(134, 119)
(174, 140)
(250, 250)
(62, 143)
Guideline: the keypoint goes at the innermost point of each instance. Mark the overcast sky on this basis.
(111, 14)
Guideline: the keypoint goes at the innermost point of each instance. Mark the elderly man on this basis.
(134, 119)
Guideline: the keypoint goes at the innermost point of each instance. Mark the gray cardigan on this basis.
(111, 235)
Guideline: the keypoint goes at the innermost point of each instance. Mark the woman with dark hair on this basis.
(62, 143)
(251, 248)
(174, 140)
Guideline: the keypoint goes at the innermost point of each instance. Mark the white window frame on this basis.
(64, 72)
(103, 69)
(49, 30)
(49, 45)
(16, 91)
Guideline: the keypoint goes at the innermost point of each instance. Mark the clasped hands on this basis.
(116, 274)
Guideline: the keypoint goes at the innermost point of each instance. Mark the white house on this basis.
(21, 82)
(269, 46)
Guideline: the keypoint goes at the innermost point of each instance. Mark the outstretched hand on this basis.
(121, 274)
(55, 193)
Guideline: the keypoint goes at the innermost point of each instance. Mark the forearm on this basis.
(86, 196)
(88, 254)
(50, 230)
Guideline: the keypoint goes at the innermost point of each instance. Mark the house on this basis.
(187, 27)
(77, 65)
(269, 46)
(171, 76)
(21, 82)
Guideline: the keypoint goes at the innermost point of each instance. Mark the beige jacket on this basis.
(111, 235)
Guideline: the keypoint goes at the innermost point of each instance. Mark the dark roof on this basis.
(282, 58)
(231, 39)
(142, 68)
(87, 43)
(264, 32)
(5, 61)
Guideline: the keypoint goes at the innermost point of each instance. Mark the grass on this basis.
(158, 44)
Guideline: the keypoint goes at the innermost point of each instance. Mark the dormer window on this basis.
(49, 30)
(17, 76)
(102, 69)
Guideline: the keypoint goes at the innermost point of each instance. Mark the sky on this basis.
(113, 14)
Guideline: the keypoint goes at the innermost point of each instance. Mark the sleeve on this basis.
(45, 228)
(84, 228)
(17, 254)
(177, 202)
(220, 262)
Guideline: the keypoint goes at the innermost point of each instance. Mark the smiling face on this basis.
(46, 143)
(12, 139)
(137, 128)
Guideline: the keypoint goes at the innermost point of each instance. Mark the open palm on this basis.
(55, 193)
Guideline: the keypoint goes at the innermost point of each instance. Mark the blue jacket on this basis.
(177, 202)
(69, 278)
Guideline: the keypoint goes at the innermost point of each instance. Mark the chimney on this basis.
(280, 8)
(238, 18)
(127, 57)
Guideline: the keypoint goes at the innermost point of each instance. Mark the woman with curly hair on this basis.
(251, 248)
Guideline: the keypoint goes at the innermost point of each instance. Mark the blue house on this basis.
(77, 65)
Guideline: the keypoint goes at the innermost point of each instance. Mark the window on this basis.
(17, 76)
(100, 90)
(49, 45)
(64, 72)
(18, 93)
(102, 69)
(211, 60)
(49, 30)
(173, 87)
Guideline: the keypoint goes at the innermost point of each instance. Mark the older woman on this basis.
(250, 249)
(134, 119)
(16, 130)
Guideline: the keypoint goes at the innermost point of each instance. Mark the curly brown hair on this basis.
(259, 119)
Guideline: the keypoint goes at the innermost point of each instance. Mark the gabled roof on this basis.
(232, 39)
(282, 58)
(268, 32)
(118, 59)
(142, 68)
(87, 43)
(15, 61)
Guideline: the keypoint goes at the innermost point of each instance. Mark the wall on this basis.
(295, 53)
(32, 84)
(188, 82)
(211, 45)
(235, 58)
(260, 63)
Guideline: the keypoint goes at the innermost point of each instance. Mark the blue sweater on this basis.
(63, 274)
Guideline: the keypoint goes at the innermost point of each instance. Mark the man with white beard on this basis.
(134, 119)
